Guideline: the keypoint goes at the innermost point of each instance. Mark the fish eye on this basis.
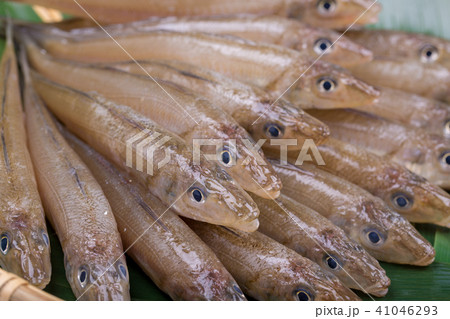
(401, 201)
(83, 276)
(429, 53)
(225, 157)
(331, 261)
(374, 237)
(447, 128)
(326, 6)
(326, 84)
(122, 271)
(4, 243)
(274, 130)
(322, 45)
(304, 295)
(445, 159)
(197, 195)
(45, 238)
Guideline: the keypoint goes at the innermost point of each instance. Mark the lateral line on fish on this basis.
(230, 231)
(58, 146)
(5, 87)
(317, 243)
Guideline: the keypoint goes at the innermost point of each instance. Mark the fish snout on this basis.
(234, 293)
(27, 256)
(350, 54)
(371, 15)
(380, 289)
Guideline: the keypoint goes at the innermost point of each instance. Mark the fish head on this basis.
(417, 199)
(336, 49)
(328, 86)
(243, 159)
(390, 237)
(99, 281)
(216, 198)
(25, 251)
(282, 120)
(339, 14)
(354, 266)
(429, 156)
(313, 284)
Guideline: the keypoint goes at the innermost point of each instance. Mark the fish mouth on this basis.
(249, 227)
(425, 261)
(379, 289)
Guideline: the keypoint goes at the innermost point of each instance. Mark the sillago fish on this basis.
(429, 80)
(409, 194)
(425, 154)
(421, 47)
(189, 116)
(324, 13)
(267, 270)
(313, 236)
(201, 191)
(24, 242)
(77, 208)
(411, 110)
(166, 249)
(366, 219)
(289, 33)
(278, 70)
(250, 106)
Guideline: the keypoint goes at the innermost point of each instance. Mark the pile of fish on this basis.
(330, 146)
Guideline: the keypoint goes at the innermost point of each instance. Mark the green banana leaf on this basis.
(408, 282)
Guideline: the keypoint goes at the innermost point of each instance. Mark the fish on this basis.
(254, 109)
(421, 47)
(24, 241)
(425, 154)
(366, 219)
(280, 71)
(407, 193)
(168, 251)
(267, 270)
(196, 120)
(311, 235)
(202, 191)
(77, 208)
(411, 110)
(428, 80)
(316, 42)
(325, 13)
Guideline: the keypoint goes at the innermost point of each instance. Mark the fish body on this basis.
(429, 80)
(251, 107)
(175, 109)
(166, 249)
(200, 191)
(326, 13)
(411, 195)
(288, 33)
(280, 71)
(267, 270)
(77, 208)
(366, 219)
(425, 154)
(24, 242)
(411, 110)
(313, 236)
(420, 47)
